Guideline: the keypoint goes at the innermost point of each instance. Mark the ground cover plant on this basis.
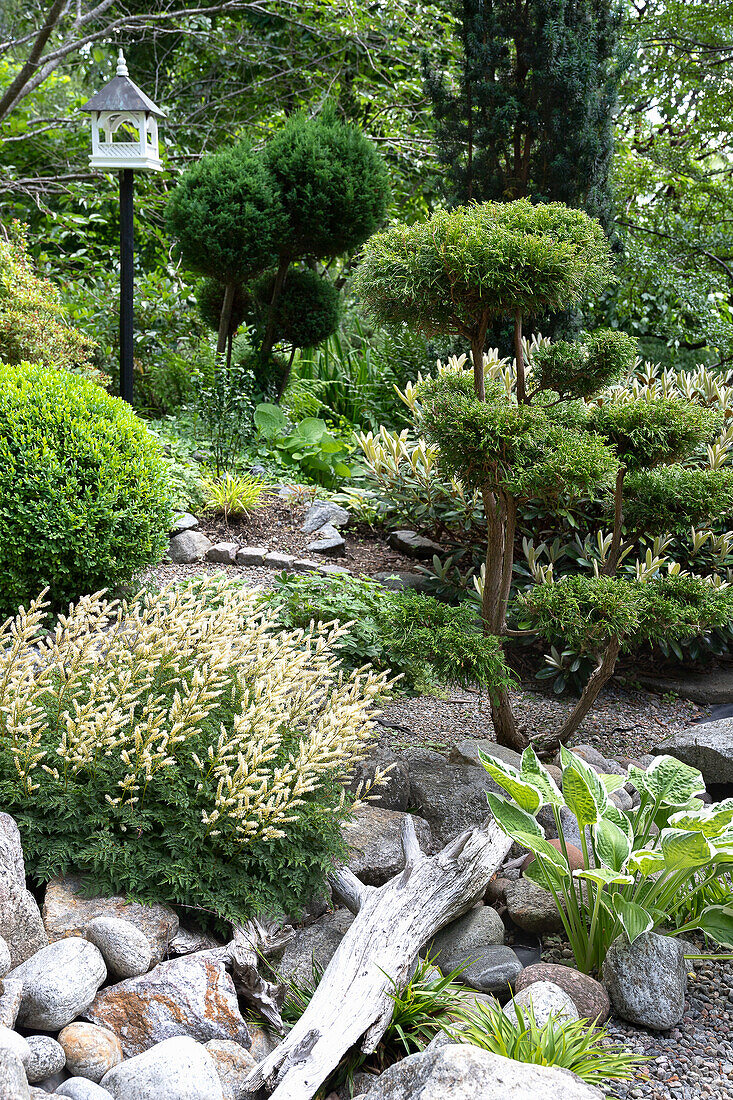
(520, 443)
(641, 869)
(181, 747)
(85, 497)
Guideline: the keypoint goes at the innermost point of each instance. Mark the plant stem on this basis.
(609, 569)
(225, 318)
(519, 357)
(269, 340)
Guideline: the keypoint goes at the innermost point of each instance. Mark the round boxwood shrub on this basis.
(84, 492)
(307, 310)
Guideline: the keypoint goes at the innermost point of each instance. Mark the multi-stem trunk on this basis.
(519, 358)
(269, 340)
(225, 318)
(600, 676)
(611, 564)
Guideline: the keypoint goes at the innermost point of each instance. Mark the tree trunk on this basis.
(504, 723)
(225, 318)
(519, 357)
(600, 676)
(286, 375)
(609, 569)
(477, 355)
(269, 340)
(352, 1003)
(494, 568)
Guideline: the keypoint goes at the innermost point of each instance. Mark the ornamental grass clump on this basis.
(181, 747)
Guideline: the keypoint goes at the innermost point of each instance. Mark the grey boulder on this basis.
(532, 908)
(414, 545)
(467, 752)
(322, 512)
(545, 1000)
(395, 793)
(451, 798)
(233, 1064)
(46, 1057)
(707, 747)
(13, 1081)
(10, 999)
(125, 949)
(466, 938)
(493, 970)
(313, 947)
(176, 1069)
(188, 547)
(463, 1072)
(79, 1088)
(20, 919)
(13, 1043)
(375, 847)
(59, 983)
(647, 980)
(5, 961)
(183, 522)
(223, 552)
(328, 541)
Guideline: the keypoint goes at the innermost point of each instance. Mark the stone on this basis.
(622, 799)
(91, 1051)
(183, 522)
(707, 747)
(413, 545)
(306, 565)
(54, 1081)
(20, 919)
(647, 980)
(596, 759)
(13, 1043)
(38, 1093)
(546, 999)
(251, 555)
(188, 547)
(192, 996)
(67, 913)
(589, 996)
(403, 579)
(263, 1043)
(176, 1069)
(532, 908)
(224, 552)
(493, 970)
(709, 688)
(328, 541)
(322, 512)
(451, 798)
(375, 848)
(466, 938)
(78, 1088)
(233, 1063)
(188, 940)
(125, 948)
(465, 1072)
(13, 1081)
(279, 561)
(59, 983)
(10, 999)
(47, 1057)
(5, 960)
(395, 793)
(467, 752)
(313, 946)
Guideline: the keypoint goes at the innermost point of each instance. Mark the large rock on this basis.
(59, 983)
(233, 1064)
(13, 1081)
(20, 920)
(10, 1001)
(464, 1072)
(493, 970)
(192, 996)
(5, 960)
(176, 1069)
(188, 547)
(322, 512)
(467, 752)
(91, 1051)
(328, 540)
(125, 948)
(67, 913)
(13, 1043)
(532, 908)
(647, 980)
(545, 999)
(450, 798)
(399, 580)
(375, 848)
(589, 996)
(466, 938)
(313, 947)
(708, 747)
(395, 793)
(414, 545)
(47, 1057)
(78, 1088)
(183, 522)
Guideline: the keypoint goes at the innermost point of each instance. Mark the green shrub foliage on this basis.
(582, 369)
(84, 492)
(656, 430)
(307, 310)
(675, 498)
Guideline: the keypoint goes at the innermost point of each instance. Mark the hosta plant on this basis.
(638, 865)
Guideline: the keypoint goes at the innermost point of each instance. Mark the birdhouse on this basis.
(124, 125)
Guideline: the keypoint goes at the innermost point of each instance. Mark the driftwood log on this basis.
(352, 1003)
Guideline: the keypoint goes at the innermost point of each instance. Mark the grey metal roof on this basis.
(122, 94)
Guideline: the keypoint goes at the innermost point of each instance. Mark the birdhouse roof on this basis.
(122, 94)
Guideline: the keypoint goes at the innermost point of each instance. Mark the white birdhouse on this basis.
(124, 125)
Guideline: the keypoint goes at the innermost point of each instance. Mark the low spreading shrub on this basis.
(181, 747)
(84, 492)
(427, 642)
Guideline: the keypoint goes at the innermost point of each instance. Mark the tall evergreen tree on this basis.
(531, 113)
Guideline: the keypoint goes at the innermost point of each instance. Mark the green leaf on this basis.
(524, 794)
(645, 861)
(634, 918)
(512, 818)
(612, 782)
(716, 921)
(612, 845)
(535, 773)
(711, 821)
(269, 420)
(604, 876)
(579, 796)
(539, 870)
(669, 780)
(311, 429)
(684, 849)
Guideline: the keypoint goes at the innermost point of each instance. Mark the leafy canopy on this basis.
(655, 430)
(583, 368)
(675, 498)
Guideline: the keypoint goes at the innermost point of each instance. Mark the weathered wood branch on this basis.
(352, 1004)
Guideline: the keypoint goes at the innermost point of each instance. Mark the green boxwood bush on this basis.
(84, 493)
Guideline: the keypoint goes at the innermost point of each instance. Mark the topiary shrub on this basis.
(84, 493)
(307, 310)
(181, 748)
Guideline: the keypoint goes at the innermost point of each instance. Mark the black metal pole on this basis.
(127, 249)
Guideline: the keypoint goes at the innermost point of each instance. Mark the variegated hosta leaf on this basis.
(711, 821)
(612, 782)
(524, 794)
(541, 869)
(645, 861)
(717, 922)
(512, 818)
(637, 776)
(604, 876)
(534, 772)
(612, 845)
(591, 777)
(621, 820)
(683, 849)
(634, 918)
(669, 780)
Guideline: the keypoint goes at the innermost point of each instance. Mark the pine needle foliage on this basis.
(181, 747)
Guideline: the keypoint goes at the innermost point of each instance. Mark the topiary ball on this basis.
(85, 500)
(307, 309)
(210, 298)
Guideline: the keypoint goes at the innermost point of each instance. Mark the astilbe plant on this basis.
(181, 747)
